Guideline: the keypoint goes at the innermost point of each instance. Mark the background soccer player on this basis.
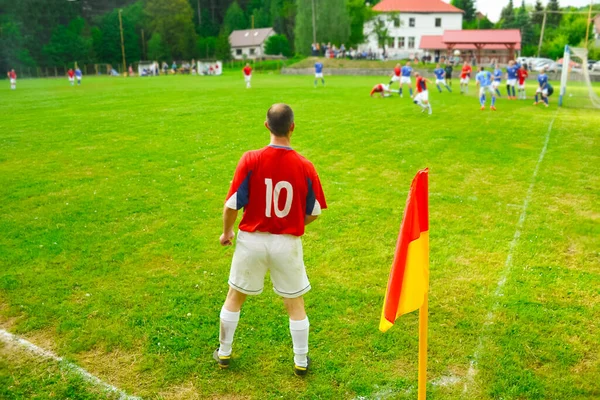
(319, 73)
(396, 75)
(422, 96)
(12, 76)
(542, 88)
(281, 193)
(78, 75)
(448, 69)
(522, 75)
(247, 75)
(484, 81)
(71, 75)
(405, 78)
(465, 77)
(497, 79)
(440, 74)
(511, 79)
(382, 89)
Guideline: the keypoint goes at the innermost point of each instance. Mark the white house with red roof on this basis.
(408, 21)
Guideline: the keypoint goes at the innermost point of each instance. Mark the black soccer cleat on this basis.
(302, 371)
(223, 361)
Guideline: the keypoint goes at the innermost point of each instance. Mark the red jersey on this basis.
(466, 71)
(397, 71)
(12, 75)
(377, 89)
(522, 75)
(247, 70)
(71, 73)
(277, 188)
(421, 84)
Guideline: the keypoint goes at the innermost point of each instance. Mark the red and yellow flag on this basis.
(409, 278)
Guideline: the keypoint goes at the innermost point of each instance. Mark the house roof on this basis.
(437, 42)
(483, 36)
(416, 6)
(249, 37)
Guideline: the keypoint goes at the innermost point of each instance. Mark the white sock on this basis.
(229, 321)
(299, 331)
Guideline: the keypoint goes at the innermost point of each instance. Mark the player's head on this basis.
(417, 74)
(397, 65)
(12, 70)
(247, 64)
(522, 66)
(481, 69)
(280, 120)
(437, 65)
(408, 63)
(465, 63)
(511, 63)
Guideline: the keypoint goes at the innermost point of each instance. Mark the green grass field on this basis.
(111, 196)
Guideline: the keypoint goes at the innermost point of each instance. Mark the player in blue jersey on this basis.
(405, 78)
(483, 79)
(78, 75)
(319, 73)
(542, 89)
(497, 75)
(511, 79)
(440, 75)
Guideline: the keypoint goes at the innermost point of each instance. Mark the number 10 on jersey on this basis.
(272, 198)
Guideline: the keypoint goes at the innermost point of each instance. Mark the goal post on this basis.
(575, 80)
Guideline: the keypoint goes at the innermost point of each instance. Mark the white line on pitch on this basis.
(489, 319)
(9, 338)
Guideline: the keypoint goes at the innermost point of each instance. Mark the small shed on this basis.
(249, 43)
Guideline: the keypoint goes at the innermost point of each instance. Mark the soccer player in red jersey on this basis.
(12, 76)
(465, 76)
(396, 76)
(281, 193)
(71, 75)
(522, 76)
(382, 89)
(421, 98)
(247, 75)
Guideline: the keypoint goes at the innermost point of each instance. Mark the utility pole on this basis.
(144, 46)
(542, 34)
(589, 22)
(314, 21)
(199, 14)
(122, 42)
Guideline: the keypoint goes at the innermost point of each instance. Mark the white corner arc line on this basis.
(9, 339)
(499, 292)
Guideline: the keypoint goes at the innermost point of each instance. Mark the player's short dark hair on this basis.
(280, 118)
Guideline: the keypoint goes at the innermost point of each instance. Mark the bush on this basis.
(278, 44)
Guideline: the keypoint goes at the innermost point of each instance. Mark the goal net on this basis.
(147, 68)
(210, 67)
(576, 86)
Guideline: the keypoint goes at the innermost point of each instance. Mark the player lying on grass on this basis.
(421, 98)
(382, 89)
(280, 193)
(543, 88)
(440, 75)
(484, 81)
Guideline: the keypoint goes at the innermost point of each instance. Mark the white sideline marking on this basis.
(9, 338)
(489, 319)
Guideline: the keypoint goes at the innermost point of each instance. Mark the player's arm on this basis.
(309, 218)
(229, 217)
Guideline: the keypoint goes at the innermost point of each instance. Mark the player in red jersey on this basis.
(281, 193)
(421, 98)
(71, 75)
(396, 76)
(247, 75)
(382, 89)
(522, 75)
(12, 76)
(465, 76)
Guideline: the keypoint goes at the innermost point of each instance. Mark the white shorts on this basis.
(258, 252)
(521, 86)
(496, 84)
(423, 96)
(542, 91)
(405, 79)
(465, 80)
(78, 78)
(511, 82)
(395, 78)
(440, 81)
(319, 75)
(247, 77)
(488, 89)
(13, 81)
(71, 79)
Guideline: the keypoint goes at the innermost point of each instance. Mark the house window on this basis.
(401, 42)
(397, 22)
(238, 52)
(252, 52)
(438, 22)
(411, 22)
(411, 42)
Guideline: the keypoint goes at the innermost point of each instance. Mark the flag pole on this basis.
(423, 317)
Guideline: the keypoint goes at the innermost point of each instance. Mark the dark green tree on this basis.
(223, 47)
(172, 19)
(235, 18)
(157, 49)
(468, 6)
(13, 53)
(553, 19)
(537, 16)
(67, 44)
(206, 47)
(359, 14)
(278, 44)
(106, 39)
(507, 16)
(381, 31)
(283, 15)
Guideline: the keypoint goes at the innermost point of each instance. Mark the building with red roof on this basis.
(408, 21)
